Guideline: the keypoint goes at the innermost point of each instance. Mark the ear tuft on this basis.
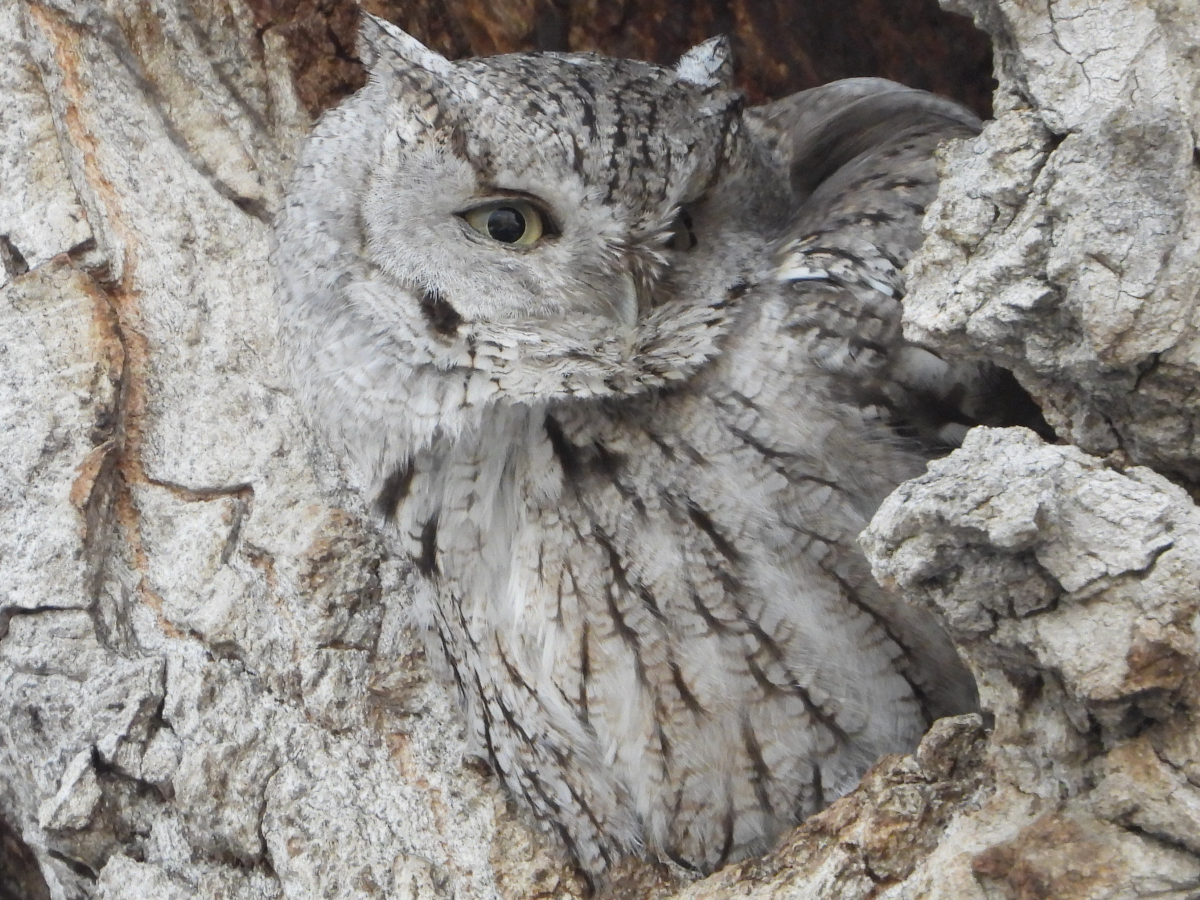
(708, 65)
(382, 43)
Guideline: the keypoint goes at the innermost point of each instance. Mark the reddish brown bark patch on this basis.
(781, 45)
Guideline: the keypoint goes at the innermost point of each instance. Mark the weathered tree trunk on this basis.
(207, 688)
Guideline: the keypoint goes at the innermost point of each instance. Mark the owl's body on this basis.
(630, 458)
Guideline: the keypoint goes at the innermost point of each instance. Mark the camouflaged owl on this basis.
(620, 360)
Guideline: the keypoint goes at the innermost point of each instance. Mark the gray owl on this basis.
(620, 362)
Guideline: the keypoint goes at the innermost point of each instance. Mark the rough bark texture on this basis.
(206, 685)
(1065, 244)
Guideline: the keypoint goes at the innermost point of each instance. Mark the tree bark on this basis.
(207, 685)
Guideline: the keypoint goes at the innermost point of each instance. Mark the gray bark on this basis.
(207, 687)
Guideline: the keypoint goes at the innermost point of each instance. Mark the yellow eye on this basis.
(508, 221)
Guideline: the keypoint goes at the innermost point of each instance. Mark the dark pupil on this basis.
(506, 224)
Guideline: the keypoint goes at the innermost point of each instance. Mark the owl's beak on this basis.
(625, 300)
(623, 296)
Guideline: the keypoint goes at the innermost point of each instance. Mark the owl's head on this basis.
(530, 226)
(553, 186)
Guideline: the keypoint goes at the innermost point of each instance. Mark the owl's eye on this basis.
(508, 221)
(683, 235)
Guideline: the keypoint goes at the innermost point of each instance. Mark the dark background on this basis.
(781, 46)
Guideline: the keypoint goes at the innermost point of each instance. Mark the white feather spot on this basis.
(791, 272)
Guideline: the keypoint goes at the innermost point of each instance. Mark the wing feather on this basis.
(861, 159)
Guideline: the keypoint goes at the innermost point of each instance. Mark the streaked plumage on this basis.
(630, 461)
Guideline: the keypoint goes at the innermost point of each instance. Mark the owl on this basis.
(619, 362)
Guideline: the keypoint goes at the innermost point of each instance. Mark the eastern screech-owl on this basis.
(621, 362)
